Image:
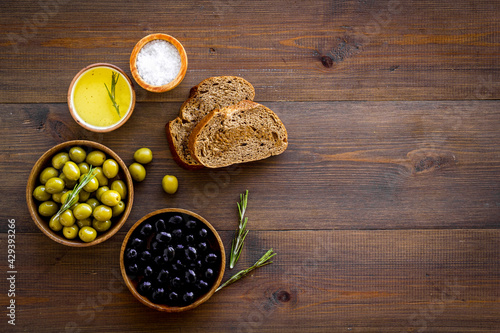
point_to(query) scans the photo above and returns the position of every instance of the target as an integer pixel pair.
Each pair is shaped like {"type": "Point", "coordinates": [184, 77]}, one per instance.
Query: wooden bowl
{"type": "Point", "coordinates": [215, 243]}
{"type": "Point", "coordinates": [172, 84]}
{"type": "Point", "coordinates": [43, 222]}
{"type": "Point", "coordinates": [76, 116]}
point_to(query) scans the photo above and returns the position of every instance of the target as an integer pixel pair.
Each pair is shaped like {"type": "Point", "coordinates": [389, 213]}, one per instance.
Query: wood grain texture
{"type": "Point", "coordinates": [384, 210]}
{"type": "Point", "coordinates": [349, 165]}
{"type": "Point", "coordinates": [341, 280]}
{"type": "Point", "coordinates": [315, 51]}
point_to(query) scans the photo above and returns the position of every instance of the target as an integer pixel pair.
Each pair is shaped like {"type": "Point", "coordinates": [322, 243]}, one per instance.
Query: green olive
{"type": "Point", "coordinates": [170, 184]}
{"type": "Point", "coordinates": [101, 226]}
{"type": "Point", "coordinates": [54, 185]}
{"type": "Point", "coordinates": [59, 160]}
{"type": "Point", "coordinates": [84, 223]}
{"type": "Point", "coordinates": [110, 198]}
{"type": "Point", "coordinates": [87, 234]}
{"type": "Point", "coordinates": [54, 223]}
{"type": "Point", "coordinates": [95, 158]}
{"type": "Point", "coordinates": [70, 232]}
{"type": "Point", "coordinates": [48, 208]}
{"type": "Point", "coordinates": [120, 187]}
{"type": "Point", "coordinates": [82, 211]}
{"type": "Point", "coordinates": [137, 172]}
{"type": "Point", "coordinates": [48, 173]}
{"type": "Point", "coordinates": [118, 209]}
{"type": "Point", "coordinates": [99, 175]}
{"type": "Point", "coordinates": [93, 202]}
{"type": "Point", "coordinates": [67, 218]}
{"type": "Point", "coordinates": [143, 155]}
{"type": "Point", "coordinates": [84, 195]}
{"type": "Point", "coordinates": [77, 154]}
{"type": "Point", "coordinates": [102, 213]}
{"type": "Point", "coordinates": [41, 194]}
{"type": "Point", "coordinates": [110, 168]}
{"type": "Point", "coordinates": [65, 196]}
{"type": "Point", "coordinates": [84, 168]}
{"type": "Point", "coordinates": [71, 170]}
{"type": "Point", "coordinates": [100, 191]}
{"type": "Point", "coordinates": [92, 185]}
{"type": "Point", "coordinates": [57, 196]}
{"type": "Point", "coordinates": [69, 183]}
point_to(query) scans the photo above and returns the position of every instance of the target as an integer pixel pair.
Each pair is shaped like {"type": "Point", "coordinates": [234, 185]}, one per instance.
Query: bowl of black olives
{"type": "Point", "coordinates": [79, 193]}
{"type": "Point", "coordinates": [172, 260]}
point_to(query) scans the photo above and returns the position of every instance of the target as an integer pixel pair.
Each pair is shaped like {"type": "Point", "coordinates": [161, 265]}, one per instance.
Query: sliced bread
{"type": "Point", "coordinates": [212, 93]}
{"type": "Point", "coordinates": [239, 133]}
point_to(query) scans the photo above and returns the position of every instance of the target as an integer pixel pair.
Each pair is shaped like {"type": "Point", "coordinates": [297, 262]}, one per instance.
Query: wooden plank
{"type": "Point", "coordinates": [349, 165]}
{"type": "Point", "coordinates": [338, 280]}
{"type": "Point", "coordinates": [320, 50]}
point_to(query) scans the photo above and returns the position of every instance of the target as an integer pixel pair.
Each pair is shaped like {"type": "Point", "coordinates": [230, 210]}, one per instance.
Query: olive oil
{"type": "Point", "coordinates": [92, 102]}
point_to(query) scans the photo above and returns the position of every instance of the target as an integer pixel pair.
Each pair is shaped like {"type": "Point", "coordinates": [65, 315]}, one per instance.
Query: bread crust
{"type": "Point", "coordinates": [193, 95]}
{"type": "Point", "coordinates": [175, 155]}
{"type": "Point", "coordinates": [227, 111]}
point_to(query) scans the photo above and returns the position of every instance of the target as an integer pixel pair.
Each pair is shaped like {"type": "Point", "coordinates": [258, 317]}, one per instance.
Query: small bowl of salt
{"type": "Point", "coordinates": [158, 63]}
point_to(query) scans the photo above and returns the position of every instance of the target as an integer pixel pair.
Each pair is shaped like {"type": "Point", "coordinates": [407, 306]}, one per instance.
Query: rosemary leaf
{"type": "Point", "coordinates": [241, 232]}
{"type": "Point", "coordinates": [265, 260]}
{"type": "Point", "coordinates": [111, 94]}
{"type": "Point", "coordinates": [72, 197]}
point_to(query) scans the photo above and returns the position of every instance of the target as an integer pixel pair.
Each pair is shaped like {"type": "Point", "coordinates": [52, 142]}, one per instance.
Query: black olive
{"type": "Point", "coordinates": [169, 254]}
{"type": "Point", "coordinates": [163, 237]}
{"type": "Point", "coordinates": [163, 276]}
{"type": "Point", "coordinates": [211, 258]}
{"type": "Point", "coordinates": [146, 230]}
{"type": "Point", "coordinates": [148, 271]}
{"type": "Point", "coordinates": [173, 296]}
{"type": "Point", "coordinates": [191, 253]}
{"type": "Point", "coordinates": [176, 219]}
{"type": "Point", "coordinates": [209, 273]}
{"type": "Point", "coordinates": [202, 247]}
{"type": "Point", "coordinates": [176, 282]}
{"type": "Point", "coordinates": [145, 256]}
{"type": "Point", "coordinates": [158, 294]}
{"type": "Point", "coordinates": [178, 266]}
{"type": "Point", "coordinates": [190, 276]}
{"type": "Point", "coordinates": [131, 254]}
{"type": "Point", "coordinates": [179, 249]}
{"type": "Point", "coordinates": [202, 285]}
{"type": "Point", "coordinates": [191, 224]}
{"type": "Point", "coordinates": [144, 287]}
{"type": "Point", "coordinates": [133, 268]}
{"type": "Point", "coordinates": [136, 243]}
{"type": "Point", "coordinates": [203, 233]}
{"type": "Point", "coordinates": [177, 233]}
{"type": "Point", "coordinates": [158, 260]}
{"type": "Point", "coordinates": [160, 225]}
{"type": "Point", "coordinates": [190, 239]}
{"type": "Point", "coordinates": [156, 246]}
{"type": "Point", "coordinates": [188, 297]}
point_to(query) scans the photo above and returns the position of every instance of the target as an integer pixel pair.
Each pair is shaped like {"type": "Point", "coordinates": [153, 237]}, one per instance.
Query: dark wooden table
{"type": "Point", "coordinates": [384, 210]}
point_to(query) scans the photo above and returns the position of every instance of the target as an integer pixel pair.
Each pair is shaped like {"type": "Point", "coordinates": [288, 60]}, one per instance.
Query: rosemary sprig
{"type": "Point", "coordinates": [72, 197]}
{"type": "Point", "coordinates": [265, 260]}
{"type": "Point", "coordinates": [241, 232]}
{"type": "Point", "coordinates": [114, 80]}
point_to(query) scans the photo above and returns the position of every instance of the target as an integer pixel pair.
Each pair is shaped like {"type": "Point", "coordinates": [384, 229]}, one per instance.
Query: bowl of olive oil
{"type": "Point", "coordinates": [101, 97]}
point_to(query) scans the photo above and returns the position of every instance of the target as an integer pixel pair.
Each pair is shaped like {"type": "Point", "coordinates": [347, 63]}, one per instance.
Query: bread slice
{"type": "Point", "coordinates": [212, 93]}
{"type": "Point", "coordinates": [239, 133]}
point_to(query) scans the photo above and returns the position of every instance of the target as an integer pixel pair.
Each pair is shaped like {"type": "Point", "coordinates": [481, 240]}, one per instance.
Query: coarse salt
{"type": "Point", "coordinates": [158, 62]}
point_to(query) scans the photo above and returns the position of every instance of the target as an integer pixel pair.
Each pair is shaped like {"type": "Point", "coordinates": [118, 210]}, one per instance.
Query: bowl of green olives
{"type": "Point", "coordinates": [172, 260]}
{"type": "Point", "coordinates": [79, 193]}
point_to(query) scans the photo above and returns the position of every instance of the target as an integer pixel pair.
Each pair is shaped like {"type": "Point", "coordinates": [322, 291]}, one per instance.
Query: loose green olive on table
{"type": "Point", "coordinates": [170, 184]}
{"type": "Point", "coordinates": [96, 205]}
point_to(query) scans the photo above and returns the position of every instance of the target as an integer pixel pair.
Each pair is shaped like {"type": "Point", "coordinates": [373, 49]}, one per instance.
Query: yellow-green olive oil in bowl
{"type": "Point", "coordinates": [101, 97]}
